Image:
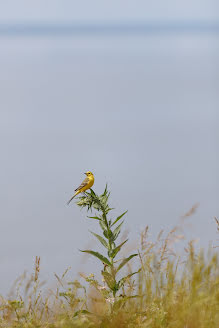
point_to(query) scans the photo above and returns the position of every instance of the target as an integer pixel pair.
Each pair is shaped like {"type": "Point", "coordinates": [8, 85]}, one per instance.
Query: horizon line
{"type": "Point", "coordinates": [56, 29]}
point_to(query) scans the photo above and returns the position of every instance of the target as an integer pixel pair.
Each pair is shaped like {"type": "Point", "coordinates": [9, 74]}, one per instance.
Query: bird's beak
{"type": "Point", "coordinates": [85, 173]}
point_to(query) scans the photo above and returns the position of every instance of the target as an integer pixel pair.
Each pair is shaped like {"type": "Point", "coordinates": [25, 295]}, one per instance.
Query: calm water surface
{"type": "Point", "coordinates": [141, 112]}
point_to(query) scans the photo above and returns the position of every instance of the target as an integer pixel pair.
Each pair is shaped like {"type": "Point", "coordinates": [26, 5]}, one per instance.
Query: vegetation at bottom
{"type": "Point", "coordinates": [153, 287]}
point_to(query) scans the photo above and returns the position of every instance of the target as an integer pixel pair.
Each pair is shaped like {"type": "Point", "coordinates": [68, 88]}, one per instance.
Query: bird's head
{"type": "Point", "coordinates": [89, 174]}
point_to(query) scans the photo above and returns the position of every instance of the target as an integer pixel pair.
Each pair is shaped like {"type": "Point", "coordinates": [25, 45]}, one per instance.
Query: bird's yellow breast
{"type": "Point", "coordinates": [89, 184]}
{"type": "Point", "coordinates": [91, 181]}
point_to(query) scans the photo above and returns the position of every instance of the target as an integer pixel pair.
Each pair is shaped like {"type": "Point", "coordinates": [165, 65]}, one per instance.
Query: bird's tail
{"type": "Point", "coordinates": [71, 198]}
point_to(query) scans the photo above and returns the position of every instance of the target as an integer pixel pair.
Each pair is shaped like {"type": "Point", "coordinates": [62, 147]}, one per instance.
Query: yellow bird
{"type": "Point", "coordinates": [86, 184]}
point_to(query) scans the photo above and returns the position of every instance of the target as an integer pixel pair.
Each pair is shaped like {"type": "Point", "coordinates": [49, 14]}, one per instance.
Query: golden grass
{"type": "Point", "coordinates": [169, 291]}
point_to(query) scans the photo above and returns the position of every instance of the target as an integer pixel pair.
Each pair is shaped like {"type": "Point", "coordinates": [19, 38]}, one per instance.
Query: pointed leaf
{"type": "Point", "coordinates": [105, 190]}
{"type": "Point", "coordinates": [92, 192]}
{"type": "Point", "coordinates": [117, 249]}
{"type": "Point", "coordinates": [123, 280]}
{"type": "Point", "coordinates": [109, 279]}
{"type": "Point", "coordinates": [101, 239]}
{"type": "Point", "coordinates": [102, 225]}
{"type": "Point", "coordinates": [94, 217]}
{"type": "Point", "coordinates": [125, 261]}
{"type": "Point", "coordinates": [99, 256]}
{"type": "Point", "coordinates": [119, 217]}
{"type": "Point", "coordinates": [117, 231]}
{"type": "Point", "coordinates": [108, 234]}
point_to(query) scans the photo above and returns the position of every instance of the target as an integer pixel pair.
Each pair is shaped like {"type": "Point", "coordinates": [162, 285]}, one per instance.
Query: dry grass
{"type": "Point", "coordinates": [170, 291]}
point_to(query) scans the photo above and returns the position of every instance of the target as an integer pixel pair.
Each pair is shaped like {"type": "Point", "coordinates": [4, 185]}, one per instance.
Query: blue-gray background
{"type": "Point", "coordinates": [138, 109]}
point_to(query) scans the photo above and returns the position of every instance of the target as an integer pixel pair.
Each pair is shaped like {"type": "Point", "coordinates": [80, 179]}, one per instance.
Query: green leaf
{"type": "Point", "coordinates": [102, 225]}
{"type": "Point", "coordinates": [92, 192]}
{"type": "Point", "coordinates": [117, 231]}
{"type": "Point", "coordinates": [125, 261]}
{"type": "Point", "coordinates": [108, 234]}
{"type": "Point", "coordinates": [111, 283]}
{"type": "Point", "coordinates": [101, 239]}
{"type": "Point", "coordinates": [119, 217]}
{"type": "Point", "coordinates": [113, 245]}
{"type": "Point", "coordinates": [109, 209]}
{"type": "Point", "coordinates": [117, 249]}
{"type": "Point", "coordinates": [105, 190]}
{"type": "Point", "coordinates": [123, 280]}
{"type": "Point", "coordinates": [99, 256]}
{"type": "Point", "coordinates": [94, 217]}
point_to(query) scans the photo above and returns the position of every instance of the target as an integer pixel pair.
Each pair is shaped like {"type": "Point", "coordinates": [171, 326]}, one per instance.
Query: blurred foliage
{"type": "Point", "coordinates": [159, 289]}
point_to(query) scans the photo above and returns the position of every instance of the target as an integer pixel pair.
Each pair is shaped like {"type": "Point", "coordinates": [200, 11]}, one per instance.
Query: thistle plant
{"type": "Point", "coordinates": [110, 233]}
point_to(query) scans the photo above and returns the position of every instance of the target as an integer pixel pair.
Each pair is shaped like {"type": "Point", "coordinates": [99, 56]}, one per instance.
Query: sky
{"type": "Point", "coordinates": [105, 11]}
{"type": "Point", "coordinates": [140, 111]}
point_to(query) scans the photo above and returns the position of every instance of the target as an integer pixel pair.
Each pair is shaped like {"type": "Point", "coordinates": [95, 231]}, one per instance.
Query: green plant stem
{"type": "Point", "coordinates": [109, 272]}
{"type": "Point", "coordinates": [109, 232]}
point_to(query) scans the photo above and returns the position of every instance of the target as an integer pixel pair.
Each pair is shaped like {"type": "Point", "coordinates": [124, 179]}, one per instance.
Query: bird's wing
{"type": "Point", "coordinates": [83, 184]}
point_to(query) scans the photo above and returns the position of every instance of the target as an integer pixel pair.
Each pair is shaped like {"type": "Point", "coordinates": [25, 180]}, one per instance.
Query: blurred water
{"type": "Point", "coordinates": [140, 111]}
